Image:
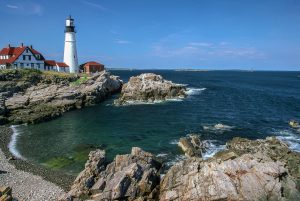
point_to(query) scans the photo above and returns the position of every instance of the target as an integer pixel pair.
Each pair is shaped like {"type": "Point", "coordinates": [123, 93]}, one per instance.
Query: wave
{"type": "Point", "coordinates": [212, 149]}
{"type": "Point", "coordinates": [177, 159]}
{"type": "Point", "coordinates": [12, 146]}
{"type": "Point", "coordinates": [162, 155]}
{"type": "Point", "coordinates": [194, 91]}
{"type": "Point", "coordinates": [290, 138]}
{"type": "Point", "coordinates": [174, 142]}
{"type": "Point", "coordinates": [217, 127]}
{"type": "Point", "coordinates": [128, 103]}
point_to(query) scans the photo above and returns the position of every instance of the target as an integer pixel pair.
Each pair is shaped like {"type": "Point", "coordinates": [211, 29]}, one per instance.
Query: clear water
{"type": "Point", "coordinates": [254, 104]}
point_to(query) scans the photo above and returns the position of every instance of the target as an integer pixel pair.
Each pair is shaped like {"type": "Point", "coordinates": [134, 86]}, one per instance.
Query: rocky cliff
{"type": "Point", "coordinates": [149, 88]}
{"type": "Point", "coordinates": [247, 170]}
{"type": "Point", "coordinates": [28, 96]}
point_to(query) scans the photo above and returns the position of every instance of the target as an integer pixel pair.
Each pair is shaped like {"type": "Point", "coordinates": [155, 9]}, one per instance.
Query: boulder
{"type": "Point", "coordinates": [247, 177]}
{"type": "Point", "coordinates": [86, 179]}
{"type": "Point", "coordinates": [270, 147]}
{"type": "Point", "coordinates": [192, 145]}
{"type": "Point", "coordinates": [128, 177]}
{"type": "Point", "coordinates": [5, 193]}
{"type": "Point", "coordinates": [149, 87]}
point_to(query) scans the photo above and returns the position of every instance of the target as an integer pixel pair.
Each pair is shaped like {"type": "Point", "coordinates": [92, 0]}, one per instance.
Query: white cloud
{"type": "Point", "coordinates": [114, 32]}
{"type": "Point", "coordinates": [201, 44]}
{"type": "Point", "coordinates": [12, 6]}
{"type": "Point", "coordinates": [205, 51]}
{"type": "Point", "coordinates": [25, 8]}
{"type": "Point", "coordinates": [122, 42]}
{"type": "Point", "coordinates": [95, 5]}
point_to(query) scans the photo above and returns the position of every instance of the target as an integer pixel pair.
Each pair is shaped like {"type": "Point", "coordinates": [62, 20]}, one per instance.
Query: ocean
{"type": "Point", "coordinates": [246, 104]}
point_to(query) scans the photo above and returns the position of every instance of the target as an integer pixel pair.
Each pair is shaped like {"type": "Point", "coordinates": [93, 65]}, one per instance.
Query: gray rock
{"type": "Point", "coordinates": [149, 87]}
{"type": "Point", "coordinates": [86, 179]}
{"type": "Point", "coordinates": [128, 177]}
{"type": "Point", "coordinates": [192, 145]}
{"type": "Point", "coordinates": [50, 96]}
{"type": "Point", "coordinates": [244, 178]}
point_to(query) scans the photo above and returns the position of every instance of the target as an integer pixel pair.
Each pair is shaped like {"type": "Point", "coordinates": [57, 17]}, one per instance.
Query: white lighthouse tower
{"type": "Point", "coordinates": [70, 52]}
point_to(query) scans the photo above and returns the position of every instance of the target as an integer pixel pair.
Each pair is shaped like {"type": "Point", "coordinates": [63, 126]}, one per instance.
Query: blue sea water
{"type": "Point", "coordinates": [251, 104]}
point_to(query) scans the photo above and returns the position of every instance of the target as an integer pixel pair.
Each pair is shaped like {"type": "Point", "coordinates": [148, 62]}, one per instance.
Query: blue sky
{"type": "Point", "coordinates": [209, 34]}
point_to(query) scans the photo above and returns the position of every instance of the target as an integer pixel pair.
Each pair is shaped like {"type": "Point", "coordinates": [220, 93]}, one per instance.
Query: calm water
{"type": "Point", "coordinates": [254, 104]}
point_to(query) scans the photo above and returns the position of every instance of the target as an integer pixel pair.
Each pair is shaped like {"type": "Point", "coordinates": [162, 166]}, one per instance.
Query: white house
{"type": "Point", "coordinates": [27, 57]}
{"type": "Point", "coordinates": [21, 57]}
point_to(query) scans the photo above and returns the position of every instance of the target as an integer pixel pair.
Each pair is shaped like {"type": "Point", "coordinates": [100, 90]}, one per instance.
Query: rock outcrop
{"type": "Point", "coordinates": [5, 193]}
{"type": "Point", "coordinates": [128, 177]}
{"type": "Point", "coordinates": [192, 145]}
{"type": "Point", "coordinates": [149, 87]}
{"type": "Point", "coordinates": [272, 148]}
{"type": "Point", "coordinates": [247, 177]}
{"type": "Point", "coordinates": [37, 96]}
{"type": "Point", "coordinates": [247, 170]}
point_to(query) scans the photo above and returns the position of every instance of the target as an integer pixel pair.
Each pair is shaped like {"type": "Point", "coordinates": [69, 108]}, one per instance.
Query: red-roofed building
{"type": "Point", "coordinates": [27, 57]}
{"type": "Point", "coordinates": [21, 57]}
{"type": "Point", "coordinates": [56, 66]}
{"type": "Point", "coordinates": [92, 67]}
{"type": "Point", "coordinates": [62, 67]}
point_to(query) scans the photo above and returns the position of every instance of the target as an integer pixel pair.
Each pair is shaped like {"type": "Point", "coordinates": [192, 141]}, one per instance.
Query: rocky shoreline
{"type": "Point", "coordinates": [263, 169]}
{"type": "Point", "coordinates": [59, 178]}
{"type": "Point", "coordinates": [28, 96]}
{"type": "Point", "coordinates": [247, 170]}
{"type": "Point", "coordinates": [29, 181]}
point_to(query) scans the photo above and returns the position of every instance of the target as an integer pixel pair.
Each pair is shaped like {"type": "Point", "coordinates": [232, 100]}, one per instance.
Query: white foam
{"type": "Point", "coordinates": [212, 149]}
{"type": "Point", "coordinates": [177, 159]}
{"type": "Point", "coordinates": [194, 91]}
{"type": "Point", "coordinates": [290, 137]}
{"type": "Point", "coordinates": [161, 155]}
{"type": "Point", "coordinates": [218, 127]}
{"type": "Point", "coordinates": [174, 142]}
{"type": "Point", "coordinates": [12, 146]}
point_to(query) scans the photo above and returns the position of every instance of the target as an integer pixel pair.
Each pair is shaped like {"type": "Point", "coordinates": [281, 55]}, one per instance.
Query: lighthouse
{"type": "Point", "coordinates": [70, 51]}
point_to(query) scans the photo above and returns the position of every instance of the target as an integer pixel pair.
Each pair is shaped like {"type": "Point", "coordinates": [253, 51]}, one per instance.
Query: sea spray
{"type": "Point", "coordinates": [290, 138]}
{"type": "Point", "coordinates": [12, 146]}
{"type": "Point", "coordinates": [194, 91]}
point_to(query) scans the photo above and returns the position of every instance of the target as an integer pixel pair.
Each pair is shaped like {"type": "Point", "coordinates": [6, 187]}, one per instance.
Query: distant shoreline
{"type": "Point", "coordinates": [197, 70]}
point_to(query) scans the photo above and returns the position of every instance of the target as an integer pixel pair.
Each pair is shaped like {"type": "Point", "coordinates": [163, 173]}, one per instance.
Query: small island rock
{"type": "Point", "coordinates": [148, 88]}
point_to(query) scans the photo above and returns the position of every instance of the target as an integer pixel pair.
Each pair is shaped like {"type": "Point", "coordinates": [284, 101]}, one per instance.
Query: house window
{"type": "Point", "coordinates": [22, 64]}
{"type": "Point", "coordinates": [38, 66]}
{"type": "Point", "coordinates": [26, 50]}
{"type": "Point", "coordinates": [29, 57]}
{"type": "Point", "coordinates": [24, 57]}
{"type": "Point", "coordinates": [32, 65]}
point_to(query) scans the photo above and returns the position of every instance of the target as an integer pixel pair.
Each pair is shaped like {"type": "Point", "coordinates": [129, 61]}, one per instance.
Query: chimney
{"type": "Point", "coordinates": [31, 47]}
{"type": "Point", "coordinates": [22, 45]}
{"type": "Point", "coordinates": [8, 45]}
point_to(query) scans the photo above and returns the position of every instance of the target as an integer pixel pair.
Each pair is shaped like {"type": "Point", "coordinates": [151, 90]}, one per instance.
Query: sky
{"type": "Point", "coordinates": [143, 34]}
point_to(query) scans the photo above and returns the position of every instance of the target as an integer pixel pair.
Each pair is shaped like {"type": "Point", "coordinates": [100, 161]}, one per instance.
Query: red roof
{"type": "Point", "coordinates": [14, 52]}
{"type": "Point", "coordinates": [62, 64]}
{"type": "Point", "coordinates": [93, 63]}
{"type": "Point", "coordinates": [50, 62]}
